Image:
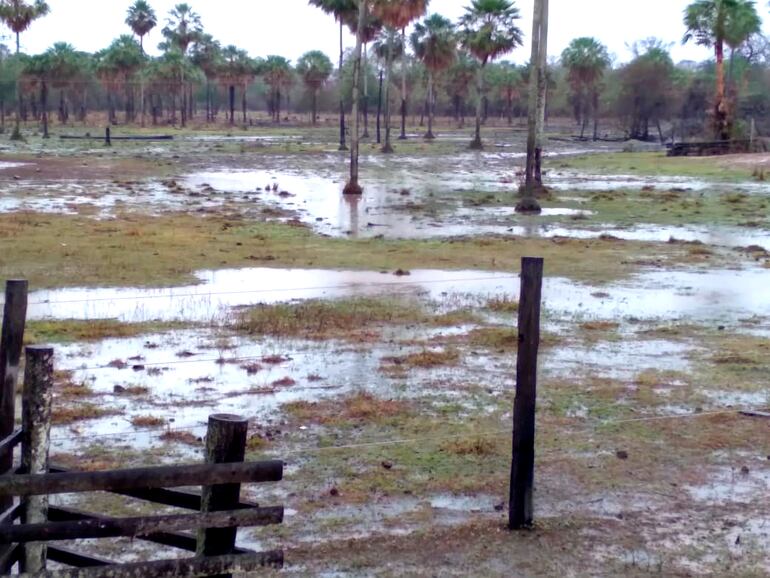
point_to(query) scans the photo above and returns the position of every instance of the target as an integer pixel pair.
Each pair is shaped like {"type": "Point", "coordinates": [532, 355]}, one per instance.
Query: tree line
{"type": "Point", "coordinates": [451, 69]}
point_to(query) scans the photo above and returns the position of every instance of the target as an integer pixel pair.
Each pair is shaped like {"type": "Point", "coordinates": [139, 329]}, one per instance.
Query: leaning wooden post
{"type": "Point", "coordinates": [36, 438]}
{"type": "Point", "coordinates": [523, 467]}
{"type": "Point", "coordinates": [225, 443]}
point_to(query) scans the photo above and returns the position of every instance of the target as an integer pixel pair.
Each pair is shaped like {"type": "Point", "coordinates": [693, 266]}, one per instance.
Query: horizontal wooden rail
{"type": "Point", "coordinates": [71, 558]}
{"type": "Point", "coordinates": [174, 568]}
{"type": "Point", "coordinates": [132, 527]}
{"type": "Point", "coordinates": [166, 497]}
{"type": "Point", "coordinates": [132, 479]}
{"type": "Point", "coordinates": [175, 540]}
{"type": "Point", "coordinates": [10, 442]}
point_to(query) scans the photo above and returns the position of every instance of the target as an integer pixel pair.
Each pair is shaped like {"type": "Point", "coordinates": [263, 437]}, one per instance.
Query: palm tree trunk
{"type": "Point", "coordinates": [721, 125]}
{"type": "Point", "coordinates": [353, 188]}
{"type": "Point", "coordinates": [387, 148]}
{"type": "Point", "coordinates": [44, 107]}
{"type": "Point", "coordinates": [18, 45]}
{"type": "Point", "coordinates": [542, 88]}
{"type": "Point", "coordinates": [429, 135]}
{"type": "Point", "coordinates": [402, 136]}
{"type": "Point", "coordinates": [244, 103]}
{"type": "Point", "coordinates": [366, 92]}
{"type": "Point", "coordinates": [315, 106]}
{"type": "Point", "coordinates": [343, 146]}
{"type": "Point", "coordinates": [476, 143]}
{"type": "Point", "coordinates": [379, 110]}
{"type": "Point", "coordinates": [528, 204]}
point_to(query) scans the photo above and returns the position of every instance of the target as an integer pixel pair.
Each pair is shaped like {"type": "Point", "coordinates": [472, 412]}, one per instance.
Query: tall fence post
{"type": "Point", "coordinates": [225, 443]}
{"type": "Point", "coordinates": [36, 438]}
{"type": "Point", "coordinates": [14, 320]}
{"type": "Point", "coordinates": [107, 137]}
{"type": "Point", "coordinates": [520, 510]}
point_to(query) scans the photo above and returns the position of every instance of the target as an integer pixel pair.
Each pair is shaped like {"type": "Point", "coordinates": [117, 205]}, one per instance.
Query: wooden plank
{"type": "Point", "coordinates": [174, 568]}
{"type": "Point", "coordinates": [139, 526]}
{"type": "Point", "coordinates": [11, 514]}
{"type": "Point", "coordinates": [71, 558]}
{"type": "Point", "coordinates": [125, 138]}
{"type": "Point", "coordinates": [164, 496]}
{"type": "Point", "coordinates": [520, 513]}
{"type": "Point", "coordinates": [153, 477]}
{"type": "Point", "coordinates": [762, 414]}
{"type": "Point", "coordinates": [10, 442]}
{"type": "Point", "coordinates": [225, 443]}
{"type": "Point", "coordinates": [185, 542]}
{"type": "Point", "coordinates": [36, 425]}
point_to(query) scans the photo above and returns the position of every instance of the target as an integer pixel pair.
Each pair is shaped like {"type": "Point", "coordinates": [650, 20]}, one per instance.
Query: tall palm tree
{"type": "Point", "coordinates": [399, 14]}
{"type": "Point", "coordinates": [714, 23]}
{"type": "Point", "coordinates": [18, 15]}
{"type": "Point", "coordinates": [124, 58]}
{"type": "Point", "coordinates": [353, 187]}
{"type": "Point", "coordinates": [64, 66]}
{"type": "Point", "coordinates": [237, 68]}
{"type": "Point", "coordinates": [141, 19]}
{"type": "Point", "coordinates": [388, 47]}
{"type": "Point", "coordinates": [371, 28]}
{"type": "Point", "coordinates": [183, 28]}
{"type": "Point", "coordinates": [435, 43]}
{"type": "Point", "coordinates": [460, 77]}
{"type": "Point", "coordinates": [586, 60]}
{"type": "Point", "coordinates": [276, 72]}
{"type": "Point", "coordinates": [488, 31]}
{"type": "Point", "coordinates": [207, 55]}
{"type": "Point", "coordinates": [315, 69]}
{"type": "Point", "coordinates": [533, 182]}
{"type": "Point", "coordinates": [342, 10]}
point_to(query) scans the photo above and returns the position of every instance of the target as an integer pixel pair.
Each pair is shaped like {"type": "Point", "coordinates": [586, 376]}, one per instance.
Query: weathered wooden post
{"type": "Point", "coordinates": [14, 320]}
{"type": "Point", "coordinates": [225, 443]}
{"type": "Point", "coordinates": [520, 511]}
{"type": "Point", "coordinates": [36, 438]}
{"type": "Point", "coordinates": [107, 137]}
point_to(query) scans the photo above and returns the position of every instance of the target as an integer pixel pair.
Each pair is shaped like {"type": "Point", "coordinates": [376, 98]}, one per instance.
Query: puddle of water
{"type": "Point", "coordinates": [7, 165]}
{"type": "Point", "coordinates": [729, 485]}
{"type": "Point", "coordinates": [712, 296]}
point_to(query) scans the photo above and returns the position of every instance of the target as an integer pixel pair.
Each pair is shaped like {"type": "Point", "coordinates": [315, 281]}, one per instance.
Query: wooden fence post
{"type": "Point", "coordinates": [520, 511]}
{"type": "Point", "coordinates": [107, 137]}
{"type": "Point", "coordinates": [14, 320]}
{"type": "Point", "coordinates": [36, 427]}
{"type": "Point", "coordinates": [225, 443]}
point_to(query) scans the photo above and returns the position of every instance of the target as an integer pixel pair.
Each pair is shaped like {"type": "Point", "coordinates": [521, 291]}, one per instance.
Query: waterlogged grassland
{"type": "Point", "coordinates": [139, 250]}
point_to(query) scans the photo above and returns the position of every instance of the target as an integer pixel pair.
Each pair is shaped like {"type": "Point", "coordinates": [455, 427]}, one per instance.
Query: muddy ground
{"type": "Point", "coordinates": [372, 342]}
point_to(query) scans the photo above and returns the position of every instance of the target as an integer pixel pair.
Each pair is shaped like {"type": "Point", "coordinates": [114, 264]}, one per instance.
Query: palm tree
{"type": "Point", "coordinates": [37, 72]}
{"type": "Point", "coordinates": [399, 14]}
{"type": "Point", "coordinates": [237, 68]}
{"type": "Point", "coordinates": [141, 19]}
{"type": "Point", "coordinates": [434, 42]}
{"type": "Point", "coordinates": [716, 23]}
{"type": "Point", "coordinates": [183, 28]}
{"type": "Point", "coordinates": [353, 187]}
{"type": "Point", "coordinates": [538, 84]}
{"type": "Point", "coordinates": [585, 59]}
{"type": "Point", "coordinates": [342, 10]}
{"type": "Point", "coordinates": [18, 15]}
{"type": "Point", "coordinates": [64, 66]}
{"type": "Point", "coordinates": [207, 55]}
{"type": "Point", "coordinates": [371, 28]}
{"type": "Point", "coordinates": [121, 61]}
{"type": "Point", "coordinates": [315, 68]}
{"type": "Point", "coordinates": [488, 31]}
{"type": "Point", "coordinates": [388, 47]}
{"type": "Point", "coordinates": [460, 77]}
{"type": "Point", "coordinates": [276, 72]}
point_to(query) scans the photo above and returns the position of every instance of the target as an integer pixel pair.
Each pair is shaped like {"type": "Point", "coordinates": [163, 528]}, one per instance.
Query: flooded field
{"type": "Point", "coordinates": [372, 341]}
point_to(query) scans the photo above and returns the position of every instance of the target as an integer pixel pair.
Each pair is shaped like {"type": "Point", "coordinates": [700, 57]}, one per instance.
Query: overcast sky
{"type": "Point", "coordinates": [292, 27]}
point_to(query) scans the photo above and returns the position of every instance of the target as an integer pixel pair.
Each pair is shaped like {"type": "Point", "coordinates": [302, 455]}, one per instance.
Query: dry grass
{"type": "Point", "coordinates": [425, 359]}
{"type": "Point", "coordinates": [181, 437]}
{"type": "Point", "coordinates": [318, 319]}
{"type": "Point", "coordinates": [474, 446]}
{"type": "Point", "coordinates": [62, 415]}
{"type": "Point", "coordinates": [360, 407]}
{"type": "Point", "coordinates": [147, 421]}
{"type": "Point", "coordinates": [502, 305]}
